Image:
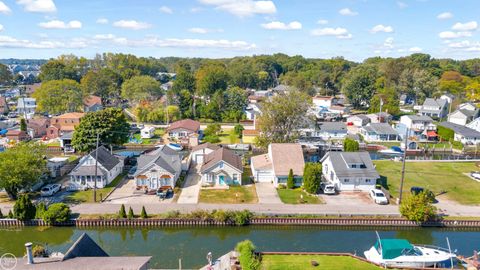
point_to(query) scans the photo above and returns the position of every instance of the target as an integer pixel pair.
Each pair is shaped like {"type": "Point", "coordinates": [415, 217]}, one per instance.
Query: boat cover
{"type": "Point", "coordinates": [392, 248]}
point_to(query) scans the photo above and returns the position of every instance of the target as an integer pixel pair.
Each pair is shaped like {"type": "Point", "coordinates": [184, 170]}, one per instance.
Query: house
{"type": "Point", "coordinates": [436, 108]}
{"type": "Point", "coordinates": [448, 97]}
{"type": "Point", "coordinates": [147, 132]}
{"type": "Point", "coordinates": [66, 142]}
{"type": "Point", "coordinates": [463, 134]}
{"type": "Point", "coordinates": [475, 124]}
{"type": "Point", "coordinates": [379, 132]}
{"type": "Point", "coordinates": [158, 169]}
{"type": "Point", "coordinates": [55, 164]}
{"type": "Point", "coordinates": [323, 101]}
{"type": "Point", "coordinates": [465, 113]}
{"type": "Point", "coordinates": [3, 105]}
{"type": "Point", "coordinates": [380, 117]}
{"type": "Point", "coordinates": [406, 100]}
{"type": "Point", "coordinates": [63, 123]}
{"type": "Point", "coordinates": [183, 128]}
{"type": "Point", "coordinates": [253, 110]}
{"type": "Point", "coordinates": [221, 167]}
{"type": "Point", "coordinates": [31, 88]}
{"type": "Point", "coordinates": [109, 167]}
{"type": "Point", "coordinates": [280, 89]}
{"type": "Point", "coordinates": [200, 151]}
{"type": "Point", "coordinates": [327, 131]}
{"type": "Point", "coordinates": [37, 127]}
{"type": "Point", "coordinates": [26, 106]}
{"type": "Point", "coordinates": [358, 120]}
{"type": "Point", "coordinates": [420, 127]}
{"type": "Point", "coordinates": [349, 171]}
{"type": "Point", "coordinates": [92, 104]}
{"type": "Point", "coordinates": [275, 166]}
{"type": "Point", "coordinates": [17, 135]}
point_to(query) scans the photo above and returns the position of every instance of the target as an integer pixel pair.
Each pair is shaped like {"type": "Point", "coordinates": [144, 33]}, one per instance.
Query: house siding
{"type": "Point", "coordinates": [212, 176]}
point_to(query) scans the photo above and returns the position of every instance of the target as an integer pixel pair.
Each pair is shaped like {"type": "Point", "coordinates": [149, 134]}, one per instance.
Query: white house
{"type": "Point", "coordinates": [109, 167]}
{"type": "Point", "coordinates": [437, 108]}
{"type": "Point", "coordinates": [275, 166]}
{"type": "Point", "coordinates": [323, 101]}
{"type": "Point", "coordinates": [358, 120]}
{"type": "Point", "coordinates": [380, 117]}
{"type": "Point", "coordinates": [252, 110]}
{"type": "Point", "coordinates": [465, 113]}
{"type": "Point", "coordinates": [379, 132]}
{"type": "Point", "coordinates": [327, 131]}
{"type": "Point", "coordinates": [221, 167]}
{"type": "Point", "coordinates": [147, 132]}
{"type": "Point", "coordinates": [349, 170]}
{"type": "Point", "coordinates": [463, 134]}
{"type": "Point", "coordinates": [420, 126]}
{"type": "Point", "coordinates": [26, 106]}
{"type": "Point", "coordinates": [199, 152]}
{"type": "Point", "coordinates": [475, 124]}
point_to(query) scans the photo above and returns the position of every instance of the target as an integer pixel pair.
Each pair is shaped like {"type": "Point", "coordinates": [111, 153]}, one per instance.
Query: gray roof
{"type": "Point", "coordinates": [87, 170]}
{"type": "Point", "coordinates": [467, 113]}
{"type": "Point", "coordinates": [107, 160]}
{"type": "Point", "coordinates": [341, 160]}
{"type": "Point", "coordinates": [84, 247]}
{"type": "Point", "coordinates": [86, 263]}
{"type": "Point", "coordinates": [164, 157]}
{"type": "Point", "coordinates": [67, 136]}
{"type": "Point", "coordinates": [360, 116]}
{"type": "Point", "coordinates": [462, 130]}
{"type": "Point", "coordinates": [415, 117]}
{"type": "Point", "coordinates": [332, 127]}
{"type": "Point", "coordinates": [435, 102]}
{"type": "Point", "coordinates": [380, 128]}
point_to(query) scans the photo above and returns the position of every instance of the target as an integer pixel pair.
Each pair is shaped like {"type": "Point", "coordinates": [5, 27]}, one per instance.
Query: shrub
{"type": "Point", "coordinates": [312, 175]}
{"type": "Point", "coordinates": [200, 214]}
{"type": "Point", "coordinates": [282, 186]}
{"type": "Point", "coordinates": [242, 217]}
{"type": "Point", "coordinates": [247, 258]}
{"type": "Point", "coordinates": [57, 212]}
{"type": "Point", "coordinates": [143, 214]}
{"type": "Point", "coordinates": [122, 213]}
{"type": "Point", "coordinates": [39, 251]}
{"type": "Point", "coordinates": [212, 139]}
{"type": "Point", "coordinates": [172, 214]}
{"type": "Point", "coordinates": [1, 214]}
{"type": "Point", "coordinates": [212, 129]}
{"type": "Point", "coordinates": [418, 208]}
{"type": "Point", "coordinates": [350, 145]}
{"type": "Point", "coordinates": [10, 214]}
{"type": "Point", "coordinates": [444, 133]}
{"type": "Point", "coordinates": [131, 215]}
{"type": "Point", "coordinates": [238, 129]}
{"type": "Point", "coordinates": [41, 208]}
{"type": "Point", "coordinates": [24, 209]}
{"type": "Point", "coordinates": [223, 216]}
{"type": "Point", "coordinates": [290, 180]}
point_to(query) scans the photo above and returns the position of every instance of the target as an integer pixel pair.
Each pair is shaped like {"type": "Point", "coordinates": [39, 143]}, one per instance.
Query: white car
{"type": "Point", "coordinates": [49, 190]}
{"type": "Point", "coordinates": [378, 196]}
{"type": "Point", "coordinates": [475, 175]}
{"type": "Point", "coordinates": [328, 188]}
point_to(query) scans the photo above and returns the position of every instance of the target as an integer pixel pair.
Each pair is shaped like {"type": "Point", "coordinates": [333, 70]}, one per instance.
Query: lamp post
{"type": "Point", "coordinates": [403, 167]}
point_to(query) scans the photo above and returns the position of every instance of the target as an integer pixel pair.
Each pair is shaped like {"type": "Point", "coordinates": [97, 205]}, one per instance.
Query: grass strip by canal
{"type": "Point", "coordinates": [325, 262]}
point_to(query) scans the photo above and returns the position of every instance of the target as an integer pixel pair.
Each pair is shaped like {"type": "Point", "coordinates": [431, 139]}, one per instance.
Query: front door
{"type": "Point", "coordinates": [221, 180]}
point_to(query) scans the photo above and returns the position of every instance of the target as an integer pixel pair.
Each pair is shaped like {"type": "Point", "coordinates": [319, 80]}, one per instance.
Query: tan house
{"type": "Point", "coordinates": [183, 128]}
{"type": "Point", "coordinates": [37, 127]}
{"type": "Point", "coordinates": [63, 123]}
{"type": "Point", "coordinates": [17, 135]}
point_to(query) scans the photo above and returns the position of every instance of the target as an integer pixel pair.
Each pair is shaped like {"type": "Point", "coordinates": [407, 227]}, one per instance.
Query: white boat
{"type": "Point", "coordinates": [400, 253]}
{"type": "Point", "coordinates": [395, 150]}
{"type": "Point", "coordinates": [175, 146]}
{"type": "Point", "coordinates": [239, 146]}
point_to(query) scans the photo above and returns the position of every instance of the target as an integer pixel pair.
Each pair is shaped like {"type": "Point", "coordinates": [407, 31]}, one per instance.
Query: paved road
{"type": "Point", "coordinates": [267, 194]}
{"type": "Point", "coordinates": [191, 187]}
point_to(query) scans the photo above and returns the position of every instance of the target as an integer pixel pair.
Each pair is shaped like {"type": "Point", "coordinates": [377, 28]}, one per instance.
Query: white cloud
{"type": "Point", "coordinates": [468, 26]}
{"type": "Point", "coordinates": [42, 6]}
{"type": "Point", "coordinates": [56, 24]}
{"type": "Point", "coordinates": [388, 43]}
{"type": "Point", "coordinates": [243, 8]}
{"type": "Point", "coordinates": [347, 12]}
{"type": "Point", "coordinates": [322, 22]}
{"type": "Point", "coordinates": [104, 36]}
{"type": "Point", "coordinates": [131, 24]}
{"type": "Point", "coordinates": [4, 8]}
{"type": "Point", "coordinates": [444, 16]}
{"type": "Point", "coordinates": [11, 42]}
{"type": "Point", "coordinates": [198, 30]}
{"type": "Point", "coordinates": [466, 46]}
{"type": "Point", "coordinates": [381, 28]}
{"type": "Point", "coordinates": [165, 9]}
{"type": "Point", "coordinates": [338, 32]}
{"type": "Point", "coordinates": [1, 28]}
{"type": "Point", "coordinates": [401, 4]}
{"type": "Point", "coordinates": [415, 49]}
{"type": "Point", "coordinates": [102, 21]}
{"type": "Point", "coordinates": [452, 35]}
{"type": "Point", "coordinates": [276, 25]}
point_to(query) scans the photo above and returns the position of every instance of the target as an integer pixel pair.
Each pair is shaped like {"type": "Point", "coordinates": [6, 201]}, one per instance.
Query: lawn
{"type": "Point", "coordinates": [138, 137]}
{"type": "Point", "coordinates": [246, 194]}
{"type": "Point", "coordinates": [86, 196]}
{"type": "Point", "coordinates": [437, 176]}
{"type": "Point", "coordinates": [387, 144]}
{"type": "Point", "coordinates": [284, 262]}
{"type": "Point", "coordinates": [228, 137]}
{"type": "Point", "coordinates": [292, 196]}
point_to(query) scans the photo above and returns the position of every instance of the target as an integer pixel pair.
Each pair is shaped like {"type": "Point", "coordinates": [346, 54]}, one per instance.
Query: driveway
{"type": "Point", "coordinates": [191, 187]}
{"type": "Point", "coordinates": [346, 198]}
{"type": "Point", "coordinates": [267, 193]}
{"type": "Point", "coordinates": [125, 194]}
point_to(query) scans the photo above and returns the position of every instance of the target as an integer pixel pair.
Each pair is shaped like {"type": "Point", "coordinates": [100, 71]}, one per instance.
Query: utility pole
{"type": "Point", "coordinates": [381, 104]}
{"type": "Point", "coordinates": [403, 167]}
{"type": "Point", "coordinates": [96, 170]}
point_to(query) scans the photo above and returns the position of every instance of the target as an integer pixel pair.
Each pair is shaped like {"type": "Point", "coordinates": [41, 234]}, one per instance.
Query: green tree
{"type": "Point", "coordinates": [238, 129]}
{"type": "Point", "coordinates": [312, 176]}
{"type": "Point", "coordinates": [350, 145]}
{"type": "Point", "coordinates": [21, 167]}
{"type": "Point", "coordinates": [141, 88]}
{"type": "Point", "coordinates": [130, 215]}
{"type": "Point", "coordinates": [418, 208]}
{"type": "Point", "coordinates": [57, 212]}
{"type": "Point", "coordinates": [104, 83]}
{"type": "Point", "coordinates": [122, 213]}
{"type": "Point", "coordinates": [41, 208]}
{"type": "Point", "coordinates": [247, 258]}
{"type": "Point", "coordinates": [111, 125]}
{"type": "Point", "coordinates": [290, 180]}
{"type": "Point", "coordinates": [59, 96]}
{"type": "Point", "coordinates": [212, 129]}
{"type": "Point", "coordinates": [58, 69]}
{"type": "Point", "coordinates": [5, 74]}
{"type": "Point", "coordinates": [445, 134]}
{"type": "Point", "coordinates": [10, 214]}
{"type": "Point", "coordinates": [23, 125]}
{"type": "Point", "coordinates": [143, 214]}
{"type": "Point", "coordinates": [359, 85]}
{"type": "Point", "coordinates": [23, 208]}
{"type": "Point", "coordinates": [1, 214]}
{"type": "Point", "coordinates": [235, 102]}
{"type": "Point", "coordinates": [211, 77]}
{"type": "Point", "coordinates": [184, 79]}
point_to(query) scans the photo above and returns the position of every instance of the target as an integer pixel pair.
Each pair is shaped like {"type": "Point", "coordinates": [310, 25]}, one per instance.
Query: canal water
{"type": "Point", "coordinates": [167, 245]}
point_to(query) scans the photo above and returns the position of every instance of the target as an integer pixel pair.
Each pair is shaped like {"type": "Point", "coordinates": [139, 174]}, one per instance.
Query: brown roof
{"type": "Point", "coordinates": [205, 145]}
{"type": "Point", "coordinates": [92, 100]}
{"type": "Point", "coordinates": [187, 124]}
{"type": "Point", "coordinates": [261, 162]}
{"type": "Point", "coordinates": [250, 132]}
{"type": "Point", "coordinates": [70, 115]}
{"type": "Point", "coordinates": [222, 154]}
{"type": "Point", "coordinates": [38, 122]}
{"type": "Point", "coordinates": [286, 156]}
{"type": "Point", "coordinates": [16, 132]}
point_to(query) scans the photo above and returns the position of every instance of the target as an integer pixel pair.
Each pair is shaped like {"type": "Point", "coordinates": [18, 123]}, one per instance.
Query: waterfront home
{"type": "Point", "coordinates": [17, 135]}
{"type": "Point", "coordinates": [379, 117]}
{"type": "Point", "coordinates": [37, 127]}
{"type": "Point", "coordinates": [358, 120]}
{"type": "Point", "coordinates": [274, 166]}
{"type": "Point", "coordinates": [199, 152]}
{"type": "Point", "coordinates": [462, 134]}
{"type": "Point", "coordinates": [436, 108]}
{"type": "Point", "coordinates": [26, 106]}
{"type": "Point", "coordinates": [379, 132]}
{"type": "Point", "coordinates": [147, 132]}
{"type": "Point", "coordinates": [55, 164]}
{"type": "Point", "coordinates": [421, 127]}
{"type": "Point", "coordinates": [183, 128]}
{"type": "Point", "coordinates": [66, 142]}
{"type": "Point", "coordinates": [3, 105]}
{"type": "Point", "coordinates": [221, 167]}
{"type": "Point", "coordinates": [349, 170]}
{"type": "Point", "coordinates": [475, 124]}
{"type": "Point", "coordinates": [464, 114]}
{"type": "Point", "coordinates": [92, 104]}
{"type": "Point", "coordinates": [109, 167]}
{"type": "Point", "coordinates": [158, 169]}
{"type": "Point", "coordinates": [327, 131]}
{"type": "Point", "coordinates": [63, 123]}
{"type": "Point", "coordinates": [323, 101]}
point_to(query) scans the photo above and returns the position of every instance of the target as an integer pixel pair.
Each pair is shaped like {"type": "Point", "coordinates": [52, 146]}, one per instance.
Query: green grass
{"type": "Point", "coordinates": [159, 132]}
{"type": "Point", "coordinates": [86, 196]}
{"type": "Point", "coordinates": [246, 194]}
{"type": "Point", "coordinates": [439, 177]}
{"type": "Point", "coordinates": [387, 144]}
{"type": "Point", "coordinates": [287, 262]}
{"type": "Point", "coordinates": [138, 137]}
{"type": "Point", "coordinates": [292, 196]}
{"type": "Point", "coordinates": [54, 143]}
{"type": "Point", "coordinates": [247, 173]}
{"type": "Point", "coordinates": [228, 137]}
{"type": "Point", "coordinates": [439, 145]}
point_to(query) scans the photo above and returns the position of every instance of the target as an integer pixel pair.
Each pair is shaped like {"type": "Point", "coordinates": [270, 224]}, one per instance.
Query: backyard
{"type": "Point", "coordinates": [235, 194]}
{"type": "Point", "coordinates": [228, 136]}
{"type": "Point", "coordinates": [86, 196]}
{"type": "Point", "coordinates": [294, 196]}
{"type": "Point", "coordinates": [439, 177]}
{"type": "Point", "coordinates": [325, 262]}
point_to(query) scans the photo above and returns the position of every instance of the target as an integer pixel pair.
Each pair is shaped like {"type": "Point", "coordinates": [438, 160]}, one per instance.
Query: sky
{"type": "Point", "coordinates": [354, 29]}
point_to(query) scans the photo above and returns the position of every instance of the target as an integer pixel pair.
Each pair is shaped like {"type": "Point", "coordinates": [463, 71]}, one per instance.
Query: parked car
{"type": "Point", "coordinates": [132, 171]}
{"type": "Point", "coordinates": [49, 190]}
{"type": "Point", "coordinates": [12, 115]}
{"type": "Point", "coordinates": [475, 175]}
{"type": "Point", "coordinates": [378, 196]}
{"type": "Point", "coordinates": [418, 190]}
{"type": "Point", "coordinates": [328, 188]}
{"type": "Point", "coordinates": [164, 193]}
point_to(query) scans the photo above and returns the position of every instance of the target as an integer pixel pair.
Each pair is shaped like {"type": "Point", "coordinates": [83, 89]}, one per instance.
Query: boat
{"type": "Point", "coordinates": [402, 254]}
{"type": "Point", "coordinates": [175, 146]}
{"type": "Point", "coordinates": [239, 146]}
{"type": "Point", "coordinates": [394, 150]}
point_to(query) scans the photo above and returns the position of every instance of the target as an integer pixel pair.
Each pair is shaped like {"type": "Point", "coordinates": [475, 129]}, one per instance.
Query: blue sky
{"type": "Point", "coordinates": [355, 29]}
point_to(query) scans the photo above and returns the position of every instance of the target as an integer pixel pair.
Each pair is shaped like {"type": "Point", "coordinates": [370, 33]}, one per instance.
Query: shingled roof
{"type": "Point", "coordinates": [164, 157]}
{"type": "Point", "coordinates": [187, 124]}
{"type": "Point", "coordinates": [84, 247]}
{"type": "Point", "coordinates": [222, 154]}
{"type": "Point", "coordinates": [107, 160]}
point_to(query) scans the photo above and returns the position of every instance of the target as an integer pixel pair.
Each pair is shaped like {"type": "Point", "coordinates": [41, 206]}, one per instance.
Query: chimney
{"type": "Point", "coordinates": [29, 252]}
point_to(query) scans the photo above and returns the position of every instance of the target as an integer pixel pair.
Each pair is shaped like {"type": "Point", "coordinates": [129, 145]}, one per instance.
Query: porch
{"type": "Point", "coordinates": [144, 182]}
{"type": "Point", "coordinates": [221, 178]}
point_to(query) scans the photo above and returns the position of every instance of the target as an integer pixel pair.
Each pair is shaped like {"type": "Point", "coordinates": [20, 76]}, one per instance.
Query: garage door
{"type": "Point", "coordinates": [264, 177]}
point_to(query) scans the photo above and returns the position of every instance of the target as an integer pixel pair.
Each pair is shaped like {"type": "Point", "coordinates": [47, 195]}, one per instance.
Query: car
{"type": "Point", "coordinates": [475, 175]}
{"type": "Point", "coordinates": [378, 196]}
{"type": "Point", "coordinates": [328, 188]}
{"type": "Point", "coordinates": [12, 115]}
{"type": "Point", "coordinates": [50, 190]}
{"type": "Point", "coordinates": [132, 171]}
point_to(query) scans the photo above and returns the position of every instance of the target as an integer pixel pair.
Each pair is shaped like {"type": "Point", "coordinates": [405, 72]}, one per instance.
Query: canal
{"type": "Point", "coordinates": [167, 245]}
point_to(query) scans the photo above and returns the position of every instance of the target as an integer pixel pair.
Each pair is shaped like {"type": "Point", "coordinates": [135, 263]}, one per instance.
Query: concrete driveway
{"type": "Point", "coordinates": [191, 187]}
{"type": "Point", "coordinates": [125, 194]}
{"type": "Point", "coordinates": [348, 198]}
{"type": "Point", "coordinates": [267, 193]}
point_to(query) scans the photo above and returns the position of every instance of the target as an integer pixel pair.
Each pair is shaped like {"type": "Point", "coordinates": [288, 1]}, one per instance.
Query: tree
{"type": "Point", "coordinates": [247, 258]}
{"type": "Point", "coordinates": [212, 129]}
{"type": "Point", "coordinates": [104, 83]}
{"type": "Point", "coordinates": [290, 180]}
{"type": "Point", "coordinates": [56, 213]}
{"type": "Point", "coordinates": [23, 125]}
{"type": "Point", "coordinates": [122, 213]}
{"type": "Point", "coordinates": [10, 214]}
{"type": "Point", "coordinates": [445, 134]}
{"type": "Point", "coordinates": [111, 125]}
{"type": "Point", "coordinates": [184, 79]}
{"type": "Point", "coordinates": [359, 85]}
{"type": "Point", "coordinates": [57, 69]}
{"type": "Point", "coordinates": [24, 209]}
{"type": "Point", "coordinates": [312, 176]}
{"type": "Point", "coordinates": [235, 102]}
{"type": "Point", "coordinates": [130, 215]}
{"type": "Point", "coordinates": [211, 77]}
{"type": "Point", "coordinates": [41, 208]}
{"type": "Point", "coordinates": [143, 214]}
{"type": "Point", "coordinates": [140, 88]}
{"type": "Point", "coordinates": [282, 117]}
{"type": "Point", "coordinates": [21, 167]}
{"type": "Point", "coordinates": [238, 129]}
{"type": "Point", "coordinates": [350, 145]}
{"type": "Point", "coordinates": [59, 96]}
{"type": "Point", "coordinates": [1, 214]}
{"type": "Point", "coordinates": [5, 74]}
{"type": "Point", "coordinates": [473, 89]}
{"type": "Point", "coordinates": [418, 208]}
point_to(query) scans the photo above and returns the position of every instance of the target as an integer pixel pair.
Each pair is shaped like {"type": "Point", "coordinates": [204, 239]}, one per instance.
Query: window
{"type": "Point", "coordinates": [220, 165]}
{"type": "Point", "coordinates": [346, 180]}
{"type": "Point", "coordinates": [354, 166]}
{"type": "Point", "coordinates": [235, 177]}
{"type": "Point", "coordinates": [368, 180]}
